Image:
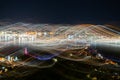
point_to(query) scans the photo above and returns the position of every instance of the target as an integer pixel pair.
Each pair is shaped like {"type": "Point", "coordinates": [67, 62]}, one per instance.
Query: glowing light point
{"type": "Point", "coordinates": [55, 59]}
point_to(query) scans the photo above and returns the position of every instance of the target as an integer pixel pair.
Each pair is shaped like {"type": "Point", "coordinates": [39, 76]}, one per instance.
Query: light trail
{"type": "Point", "coordinates": [43, 57]}
{"type": "Point", "coordinates": [59, 40]}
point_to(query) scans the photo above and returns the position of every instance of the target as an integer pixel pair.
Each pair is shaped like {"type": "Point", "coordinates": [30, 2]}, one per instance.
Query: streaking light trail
{"type": "Point", "coordinates": [40, 57]}
{"type": "Point", "coordinates": [42, 45]}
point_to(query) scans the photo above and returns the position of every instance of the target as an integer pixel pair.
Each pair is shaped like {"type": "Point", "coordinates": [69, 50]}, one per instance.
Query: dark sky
{"type": "Point", "coordinates": [61, 11]}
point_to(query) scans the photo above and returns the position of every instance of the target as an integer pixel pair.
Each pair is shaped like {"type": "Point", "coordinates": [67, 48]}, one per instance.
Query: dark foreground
{"type": "Point", "coordinates": [70, 70]}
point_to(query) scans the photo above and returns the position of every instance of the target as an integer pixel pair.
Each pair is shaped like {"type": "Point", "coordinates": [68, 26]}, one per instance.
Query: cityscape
{"type": "Point", "coordinates": [88, 51]}
{"type": "Point", "coordinates": [59, 39]}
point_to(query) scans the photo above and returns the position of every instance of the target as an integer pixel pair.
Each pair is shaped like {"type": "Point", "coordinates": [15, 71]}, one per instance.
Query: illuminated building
{"type": "Point", "coordinates": [2, 59]}
{"type": "Point", "coordinates": [16, 58]}
{"type": "Point", "coordinates": [39, 34]}
{"type": "Point", "coordinates": [70, 36]}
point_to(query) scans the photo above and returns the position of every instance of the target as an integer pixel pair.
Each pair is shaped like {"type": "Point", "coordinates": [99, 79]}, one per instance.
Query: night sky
{"type": "Point", "coordinates": [61, 11]}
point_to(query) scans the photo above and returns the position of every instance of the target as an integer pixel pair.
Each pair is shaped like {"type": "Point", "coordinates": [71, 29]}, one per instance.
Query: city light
{"type": "Point", "coordinates": [40, 47]}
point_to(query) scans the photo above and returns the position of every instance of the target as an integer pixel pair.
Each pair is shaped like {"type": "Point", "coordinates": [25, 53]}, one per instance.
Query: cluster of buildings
{"type": "Point", "coordinates": [22, 36]}
{"type": "Point", "coordinates": [9, 59]}
{"type": "Point", "coordinates": [15, 36]}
